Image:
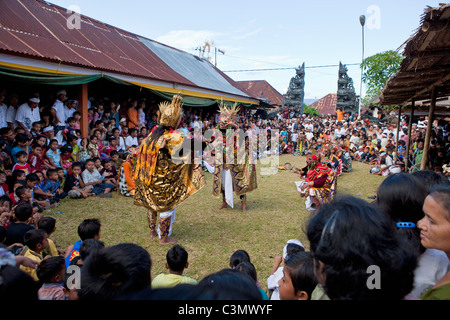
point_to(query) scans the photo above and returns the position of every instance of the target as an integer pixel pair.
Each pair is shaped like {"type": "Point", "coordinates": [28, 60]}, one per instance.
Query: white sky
{"type": "Point", "coordinates": [267, 34]}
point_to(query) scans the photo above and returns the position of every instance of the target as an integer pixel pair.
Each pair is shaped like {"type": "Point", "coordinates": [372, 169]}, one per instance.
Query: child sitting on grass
{"type": "Point", "coordinates": [51, 272]}
{"type": "Point", "coordinates": [36, 241]}
{"type": "Point", "coordinates": [177, 261]}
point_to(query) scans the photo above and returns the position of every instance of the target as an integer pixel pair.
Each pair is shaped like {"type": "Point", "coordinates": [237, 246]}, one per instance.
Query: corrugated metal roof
{"type": "Point", "coordinates": [39, 29]}
{"type": "Point", "coordinates": [258, 87]}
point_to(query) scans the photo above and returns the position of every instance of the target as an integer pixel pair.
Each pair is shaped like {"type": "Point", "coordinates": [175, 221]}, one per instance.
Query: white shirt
{"type": "Point", "coordinates": [432, 265]}
{"type": "Point", "coordinates": [26, 116]}
{"type": "Point", "coordinates": [68, 113]}
{"type": "Point", "coordinates": [294, 137]}
{"type": "Point", "coordinates": [3, 110]}
{"type": "Point", "coordinates": [130, 141]}
{"type": "Point", "coordinates": [60, 112]}
{"type": "Point", "coordinates": [11, 116]}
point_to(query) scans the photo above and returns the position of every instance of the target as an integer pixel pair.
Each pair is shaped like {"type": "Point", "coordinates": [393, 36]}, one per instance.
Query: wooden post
{"type": "Point", "coordinates": [411, 116]}
{"type": "Point", "coordinates": [398, 129]}
{"type": "Point", "coordinates": [83, 109]}
{"type": "Point", "coordinates": [426, 145]}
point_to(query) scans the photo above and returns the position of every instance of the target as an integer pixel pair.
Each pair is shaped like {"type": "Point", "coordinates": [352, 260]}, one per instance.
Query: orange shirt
{"type": "Point", "coordinates": [340, 115]}
{"type": "Point", "coordinates": [133, 120]}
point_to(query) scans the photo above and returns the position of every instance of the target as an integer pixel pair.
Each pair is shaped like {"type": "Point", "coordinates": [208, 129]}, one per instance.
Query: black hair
{"type": "Point", "coordinates": [248, 268]}
{"type": "Point", "coordinates": [17, 285]}
{"type": "Point", "coordinates": [300, 266]}
{"type": "Point", "coordinates": [16, 174]}
{"type": "Point", "coordinates": [113, 153]}
{"type": "Point", "coordinates": [47, 223]}
{"type": "Point", "coordinates": [348, 236]}
{"type": "Point", "coordinates": [89, 160]}
{"type": "Point", "coordinates": [49, 267]}
{"type": "Point", "coordinates": [177, 257]}
{"type": "Point", "coordinates": [292, 248]}
{"type": "Point", "coordinates": [401, 197]}
{"type": "Point", "coordinates": [51, 171]}
{"type": "Point", "coordinates": [237, 257]}
{"type": "Point", "coordinates": [77, 164]}
{"type": "Point", "coordinates": [430, 178]}
{"type": "Point", "coordinates": [20, 191]}
{"type": "Point", "coordinates": [23, 212]}
{"type": "Point", "coordinates": [22, 138]}
{"type": "Point", "coordinates": [89, 228]}
{"type": "Point", "coordinates": [90, 246]}
{"type": "Point", "coordinates": [115, 271]}
{"type": "Point", "coordinates": [33, 237]}
{"type": "Point", "coordinates": [31, 177]}
{"type": "Point", "coordinates": [441, 194]}
{"type": "Point", "coordinates": [227, 284]}
{"type": "Point", "coordinates": [20, 154]}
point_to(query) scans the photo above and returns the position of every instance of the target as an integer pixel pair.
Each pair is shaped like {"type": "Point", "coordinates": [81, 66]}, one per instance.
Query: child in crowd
{"type": "Point", "coordinates": [177, 262]}
{"type": "Point", "coordinates": [36, 193]}
{"type": "Point", "coordinates": [74, 185]}
{"type": "Point", "coordinates": [66, 157]}
{"type": "Point", "coordinates": [298, 280]}
{"type": "Point", "coordinates": [94, 181]}
{"type": "Point", "coordinates": [53, 186]}
{"type": "Point", "coordinates": [36, 241]}
{"type": "Point", "coordinates": [88, 229]}
{"type": "Point", "coordinates": [23, 223]}
{"type": "Point", "coordinates": [5, 213]}
{"type": "Point", "coordinates": [3, 186]}
{"type": "Point", "coordinates": [22, 164]}
{"type": "Point", "coordinates": [54, 155]}
{"type": "Point", "coordinates": [83, 154]}
{"type": "Point", "coordinates": [36, 159]}
{"type": "Point", "coordinates": [92, 148]}
{"type": "Point", "coordinates": [61, 177]}
{"type": "Point", "coordinates": [249, 269]}
{"type": "Point", "coordinates": [51, 272]}
{"type": "Point", "coordinates": [109, 172]}
{"type": "Point", "coordinates": [48, 224]}
{"type": "Point", "coordinates": [292, 246]}
{"type": "Point", "coordinates": [88, 247]}
{"type": "Point", "coordinates": [237, 257]}
{"type": "Point", "coordinates": [23, 144]}
{"type": "Point", "coordinates": [116, 161]}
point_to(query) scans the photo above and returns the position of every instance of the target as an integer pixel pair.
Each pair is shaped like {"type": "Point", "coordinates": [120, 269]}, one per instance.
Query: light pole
{"type": "Point", "coordinates": [362, 21]}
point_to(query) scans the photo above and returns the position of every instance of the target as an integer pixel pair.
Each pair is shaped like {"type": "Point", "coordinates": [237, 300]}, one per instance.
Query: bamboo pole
{"type": "Point", "coordinates": [411, 116]}
{"type": "Point", "coordinates": [426, 145]}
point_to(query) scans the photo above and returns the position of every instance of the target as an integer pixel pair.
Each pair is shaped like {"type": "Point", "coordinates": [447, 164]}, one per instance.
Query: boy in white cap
{"type": "Point", "coordinates": [58, 111]}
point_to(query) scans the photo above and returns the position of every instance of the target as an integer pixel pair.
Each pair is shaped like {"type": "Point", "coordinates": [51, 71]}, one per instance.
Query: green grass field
{"type": "Point", "coordinates": [276, 214]}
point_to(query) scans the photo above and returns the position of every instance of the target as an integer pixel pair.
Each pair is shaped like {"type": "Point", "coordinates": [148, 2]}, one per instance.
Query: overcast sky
{"type": "Point", "coordinates": [271, 34]}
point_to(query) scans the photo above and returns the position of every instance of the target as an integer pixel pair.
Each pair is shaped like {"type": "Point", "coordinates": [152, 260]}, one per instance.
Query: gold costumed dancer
{"type": "Point", "coordinates": [235, 177]}
{"type": "Point", "coordinates": [163, 177]}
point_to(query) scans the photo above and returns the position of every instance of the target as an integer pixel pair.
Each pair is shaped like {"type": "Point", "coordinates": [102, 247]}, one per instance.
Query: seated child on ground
{"type": "Point", "coordinates": [177, 261]}
{"type": "Point", "coordinates": [36, 241]}
{"type": "Point", "coordinates": [51, 272]}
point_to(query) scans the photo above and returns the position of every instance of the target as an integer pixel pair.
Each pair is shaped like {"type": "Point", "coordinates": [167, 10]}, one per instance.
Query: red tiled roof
{"type": "Point", "coordinates": [327, 104]}
{"type": "Point", "coordinates": [256, 87]}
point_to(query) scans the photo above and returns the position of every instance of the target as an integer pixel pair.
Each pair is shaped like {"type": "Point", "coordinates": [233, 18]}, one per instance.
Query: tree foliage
{"type": "Point", "coordinates": [377, 70]}
{"type": "Point", "coordinates": [310, 110]}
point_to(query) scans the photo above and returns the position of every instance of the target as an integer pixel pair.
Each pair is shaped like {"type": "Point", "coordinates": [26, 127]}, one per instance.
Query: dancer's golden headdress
{"type": "Point", "coordinates": [170, 113]}
{"type": "Point", "coordinates": [228, 114]}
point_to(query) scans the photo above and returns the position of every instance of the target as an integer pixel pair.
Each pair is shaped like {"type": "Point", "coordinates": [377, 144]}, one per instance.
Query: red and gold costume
{"type": "Point", "coordinates": [163, 183]}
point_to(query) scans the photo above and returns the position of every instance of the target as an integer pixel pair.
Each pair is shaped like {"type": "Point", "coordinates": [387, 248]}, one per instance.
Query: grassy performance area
{"type": "Point", "coordinates": [276, 214]}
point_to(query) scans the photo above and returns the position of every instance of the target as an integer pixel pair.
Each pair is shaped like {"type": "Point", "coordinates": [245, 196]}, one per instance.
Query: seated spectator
{"type": "Point", "coordinates": [298, 281]}
{"type": "Point", "coordinates": [53, 186]}
{"type": "Point", "coordinates": [87, 229]}
{"type": "Point", "coordinates": [36, 241]}
{"type": "Point", "coordinates": [48, 224]}
{"type": "Point", "coordinates": [22, 164]}
{"type": "Point", "coordinates": [115, 271]}
{"type": "Point", "coordinates": [51, 273]}
{"type": "Point", "coordinates": [53, 155]}
{"type": "Point", "coordinates": [435, 234]}
{"type": "Point", "coordinates": [74, 186]}
{"type": "Point", "coordinates": [109, 172]}
{"type": "Point", "coordinates": [23, 223]}
{"type": "Point", "coordinates": [176, 263]}
{"type": "Point", "coordinates": [341, 267]}
{"type": "Point", "coordinates": [249, 269]}
{"type": "Point", "coordinates": [94, 181]}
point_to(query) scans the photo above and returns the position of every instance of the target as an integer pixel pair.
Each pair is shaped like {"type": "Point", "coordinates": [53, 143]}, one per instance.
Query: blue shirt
{"type": "Point", "coordinates": [51, 186]}
{"type": "Point", "coordinates": [55, 157]}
